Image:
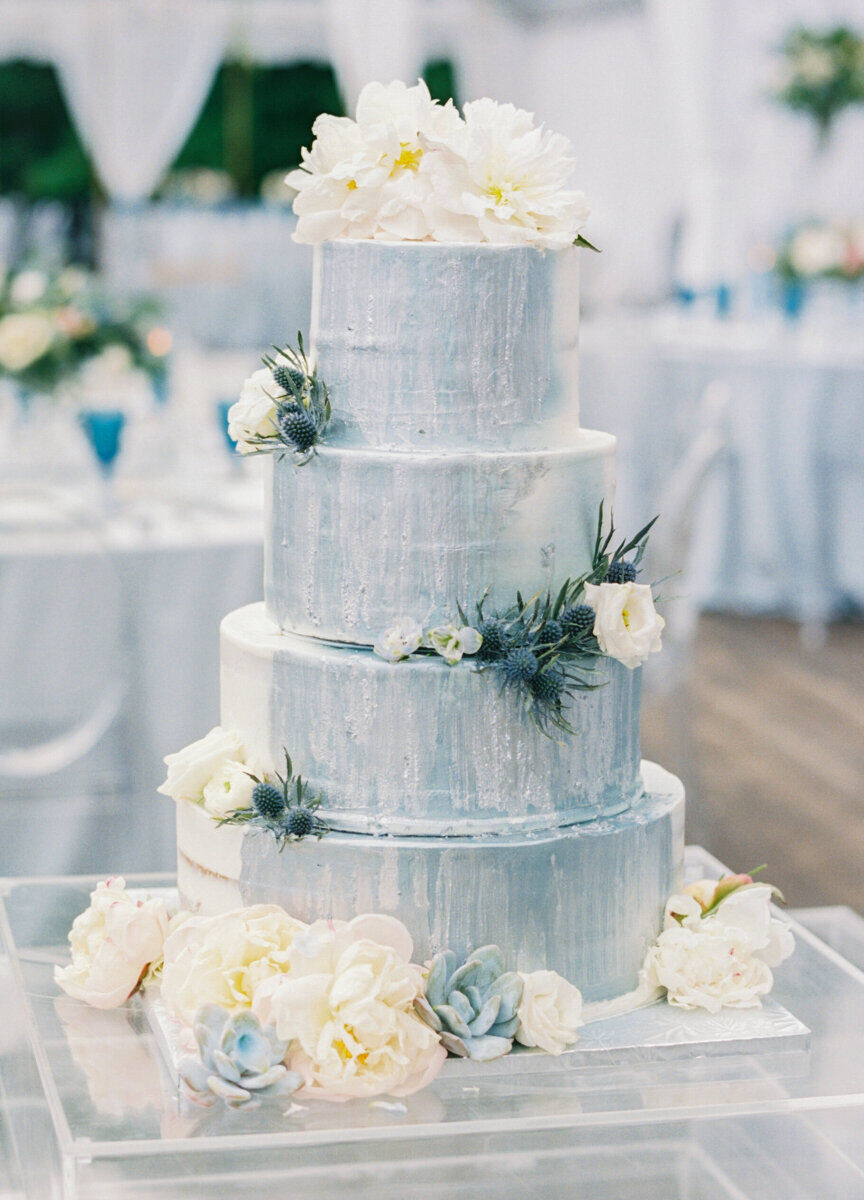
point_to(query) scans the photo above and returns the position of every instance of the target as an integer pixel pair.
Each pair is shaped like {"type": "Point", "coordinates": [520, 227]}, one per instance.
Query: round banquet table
{"type": "Point", "coordinates": [127, 619]}
{"type": "Point", "coordinates": [778, 524]}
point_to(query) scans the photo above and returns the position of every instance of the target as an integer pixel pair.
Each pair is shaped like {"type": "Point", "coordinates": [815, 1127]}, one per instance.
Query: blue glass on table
{"type": "Point", "coordinates": [223, 407]}
{"type": "Point", "coordinates": [793, 299]}
{"type": "Point", "coordinates": [104, 430]}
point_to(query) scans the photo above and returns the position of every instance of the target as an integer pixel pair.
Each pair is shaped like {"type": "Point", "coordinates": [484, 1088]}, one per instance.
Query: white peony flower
{"type": "Point", "coordinates": [817, 249]}
{"type": "Point", "coordinates": [191, 769]}
{"type": "Point", "coordinates": [451, 642]}
{"type": "Point", "coordinates": [501, 179]}
{"type": "Point", "coordinates": [706, 967]}
{"type": "Point", "coordinates": [346, 1005]}
{"type": "Point", "coordinates": [24, 338]}
{"type": "Point", "coordinates": [224, 959]}
{"type": "Point", "coordinates": [550, 1012]}
{"type": "Point", "coordinates": [254, 414]}
{"type": "Point", "coordinates": [723, 959]}
{"type": "Point", "coordinates": [400, 640]}
{"type": "Point", "coordinates": [113, 942]}
{"type": "Point", "coordinates": [230, 788]}
{"type": "Point", "coordinates": [626, 624]}
{"type": "Point", "coordinates": [366, 178]}
{"type": "Point", "coordinates": [27, 288]}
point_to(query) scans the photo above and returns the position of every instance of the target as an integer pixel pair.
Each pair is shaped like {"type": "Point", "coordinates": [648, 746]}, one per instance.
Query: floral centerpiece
{"type": "Point", "coordinates": [822, 250]}
{"type": "Point", "coordinates": [57, 328]}
{"type": "Point", "coordinates": [821, 74]}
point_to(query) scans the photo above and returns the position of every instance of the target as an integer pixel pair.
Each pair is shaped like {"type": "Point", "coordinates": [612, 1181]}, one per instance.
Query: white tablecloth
{"type": "Point", "coordinates": [779, 527]}
{"type": "Point", "coordinates": [144, 608]}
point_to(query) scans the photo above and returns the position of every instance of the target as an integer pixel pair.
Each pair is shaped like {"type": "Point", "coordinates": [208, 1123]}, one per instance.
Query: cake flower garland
{"type": "Point", "coordinates": [266, 1005]}
{"type": "Point", "coordinates": [547, 648]}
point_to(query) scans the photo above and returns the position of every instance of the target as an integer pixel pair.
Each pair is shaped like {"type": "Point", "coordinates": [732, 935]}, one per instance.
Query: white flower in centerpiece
{"type": "Point", "coordinates": [192, 768]}
{"type": "Point", "coordinates": [400, 640]}
{"type": "Point", "coordinates": [451, 642]}
{"type": "Point", "coordinates": [550, 1012]}
{"type": "Point", "coordinates": [28, 287]}
{"type": "Point", "coordinates": [814, 65]}
{"type": "Point", "coordinates": [816, 249]}
{"type": "Point", "coordinates": [254, 414]}
{"type": "Point", "coordinates": [113, 942]}
{"type": "Point", "coordinates": [722, 959]}
{"type": "Point", "coordinates": [230, 788]}
{"type": "Point", "coordinates": [24, 338]}
{"type": "Point", "coordinates": [346, 1006]}
{"type": "Point", "coordinates": [502, 179]}
{"type": "Point", "coordinates": [626, 624]}
{"type": "Point", "coordinates": [224, 959]}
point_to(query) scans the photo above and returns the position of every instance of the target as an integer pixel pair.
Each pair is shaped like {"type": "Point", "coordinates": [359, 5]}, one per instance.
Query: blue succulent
{"type": "Point", "coordinates": [472, 1005]}
{"type": "Point", "coordinates": [240, 1060]}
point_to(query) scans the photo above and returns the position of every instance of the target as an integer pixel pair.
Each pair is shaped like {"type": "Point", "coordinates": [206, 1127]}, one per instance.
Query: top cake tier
{"type": "Point", "coordinates": [433, 345]}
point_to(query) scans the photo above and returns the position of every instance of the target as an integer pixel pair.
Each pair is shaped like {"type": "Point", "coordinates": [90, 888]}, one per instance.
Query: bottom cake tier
{"type": "Point", "coordinates": [585, 901]}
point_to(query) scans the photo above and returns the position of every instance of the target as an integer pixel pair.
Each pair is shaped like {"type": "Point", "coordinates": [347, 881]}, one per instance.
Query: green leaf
{"type": "Point", "coordinates": [583, 241]}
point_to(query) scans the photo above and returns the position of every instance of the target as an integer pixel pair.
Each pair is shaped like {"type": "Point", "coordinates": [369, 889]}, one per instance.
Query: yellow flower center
{"type": "Point", "coordinates": [352, 185]}
{"type": "Point", "coordinates": [408, 160]}
{"type": "Point", "coordinates": [625, 616]}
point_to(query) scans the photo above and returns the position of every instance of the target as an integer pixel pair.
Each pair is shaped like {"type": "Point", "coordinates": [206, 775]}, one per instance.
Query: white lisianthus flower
{"type": "Point", "coordinates": [225, 959]}
{"type": "Point", "coordinates": [24, 338]}
{"type": "Point", "coordinates": [346, 1006]}
{"type": "Point", "coordinates": [113, 943]}
{"type": "Point", "coordinates": [400, 640]}
{"type": "Point", "coordinates": [502, 179]}
{"type": "Point", "coordinates": [254, 414]}
{"type": "Point", "coordinates": [191, 769]}
{"type": "Point", "coordinates": [229, 789]}
{"type": "Point", "coordinates": [451, 642]}
{"type": "Point", "coordinates": [747, 912]}
{"type": "Point", "coordinates": [817, 249]}
{"type": "Point", "coordinates": [27, 288]}
{"type": "Point", "coordinates": [550, 1012]}
{"type": "Point", "coordinates": [814, 65]}
{"type": "Point", "coordinates": [366, 178]}
{"type": "Point", "coordinates": [626, 624]}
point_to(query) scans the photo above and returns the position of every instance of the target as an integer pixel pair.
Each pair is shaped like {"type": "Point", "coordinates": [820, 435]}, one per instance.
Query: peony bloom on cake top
{"type": "Point", "coordinates": [410, 169]}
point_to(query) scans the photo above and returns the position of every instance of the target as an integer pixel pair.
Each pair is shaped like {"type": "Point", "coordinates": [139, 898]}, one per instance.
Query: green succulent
{"type": "Point", "coordinates": [472, 1005]}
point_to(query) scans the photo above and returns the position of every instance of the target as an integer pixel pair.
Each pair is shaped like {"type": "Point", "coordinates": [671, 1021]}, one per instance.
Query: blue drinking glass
{"type": "Point", "coordinates": [222, 409]}
{"type": "Point", "coordinates": [104, 430]}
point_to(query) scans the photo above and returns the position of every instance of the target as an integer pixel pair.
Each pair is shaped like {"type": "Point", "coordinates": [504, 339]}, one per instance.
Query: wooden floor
{"type": "Point", "coordinates": [769, 739]}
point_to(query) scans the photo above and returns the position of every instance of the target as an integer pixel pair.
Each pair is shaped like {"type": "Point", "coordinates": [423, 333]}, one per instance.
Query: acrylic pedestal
{"type": "Point", "coordinates": [88, 1109]}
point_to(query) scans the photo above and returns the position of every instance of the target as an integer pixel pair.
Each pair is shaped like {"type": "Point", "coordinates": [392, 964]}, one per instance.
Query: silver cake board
{"type": "Point", "coordinates": [656, 1032]}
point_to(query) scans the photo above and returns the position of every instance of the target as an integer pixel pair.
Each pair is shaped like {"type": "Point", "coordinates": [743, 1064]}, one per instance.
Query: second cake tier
{"type": "Point", "coordinates": [419, 747]}
{"type": "Point", "coordinates": [358, 538]}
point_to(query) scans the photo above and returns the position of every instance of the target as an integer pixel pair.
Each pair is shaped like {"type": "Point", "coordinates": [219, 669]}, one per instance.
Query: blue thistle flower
{"type": "Point", "coordinates": [553, 632]}
{"type": "Point", "coordinates": [547, 686]}
{"type": "Point", "coordinates": [621, 571]}
{"type": "Point", "coordinates": [299, 822]}
{"type": "Point", "coordinates": [286, 375]}
{"type": "Point", "coordinates": [298, 427]}
{"type": "Point", "coordinates": [519, 666]}
{"type": "Point", "coordinates": [578, 618]}
{"type": "Point", "coordinates": [268, 800]}
{"type": "Point", "coordinates": [495, 640]}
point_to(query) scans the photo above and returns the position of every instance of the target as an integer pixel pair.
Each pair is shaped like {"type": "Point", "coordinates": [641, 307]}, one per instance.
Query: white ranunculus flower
{"type": "Point", "coordinates": [113, 942]}
{"type": "Point", "coordinates": [501, 179]}
{"type": "Point", "coordinates": [27, 288]}
{"type": "Point", "coordinates": [451, 642]}
{"type": "Point", "coordinates": [191, 769]}
{"type": "Point", "coordinates": [346, 1005]}
{"type": "Point", "coordinates": [626, 624]}
{"type": "Point", "coordinates": [747, 912]}
{"type": "Point", "coordinates": [550, 1012]}
{"type": "Point", "coordinates": [224, 959]}
{"type": "Point", "coordinates": [24, 338]}
{"type": "Point", "coordinates": [816, 249]}
{"type": "Point", "coordinates": [400, 640]}
{"type": "Point", "coordinates": [229, 789]}
{"type": "Point", "coordinates": [254, 414]}
{"type": "Point", "coordinates": [706, 967]}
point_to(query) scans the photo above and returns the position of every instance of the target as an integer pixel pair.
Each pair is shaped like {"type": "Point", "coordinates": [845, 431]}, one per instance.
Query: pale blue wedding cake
{"type": "Point", "coordinates": [453, 468]}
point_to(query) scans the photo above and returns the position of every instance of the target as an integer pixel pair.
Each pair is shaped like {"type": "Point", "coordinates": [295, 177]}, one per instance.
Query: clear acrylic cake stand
{"type": "Point", "coordinates": [651, 1106]}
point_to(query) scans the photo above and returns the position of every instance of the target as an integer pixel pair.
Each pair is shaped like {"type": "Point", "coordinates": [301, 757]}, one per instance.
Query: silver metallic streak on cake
{"type": "Point", "coordinates": [359, 537]}
{"type": "Point", "coordinates": [418, 747]}
{"type": "Point", "coordinates": [585, 901]}
{"type": "Point", "coordinates": [428, 345]}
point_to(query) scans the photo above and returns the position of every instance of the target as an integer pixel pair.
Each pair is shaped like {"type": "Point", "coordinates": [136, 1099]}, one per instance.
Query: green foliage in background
{"type": "Point", "coordinates": [254, 120]}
